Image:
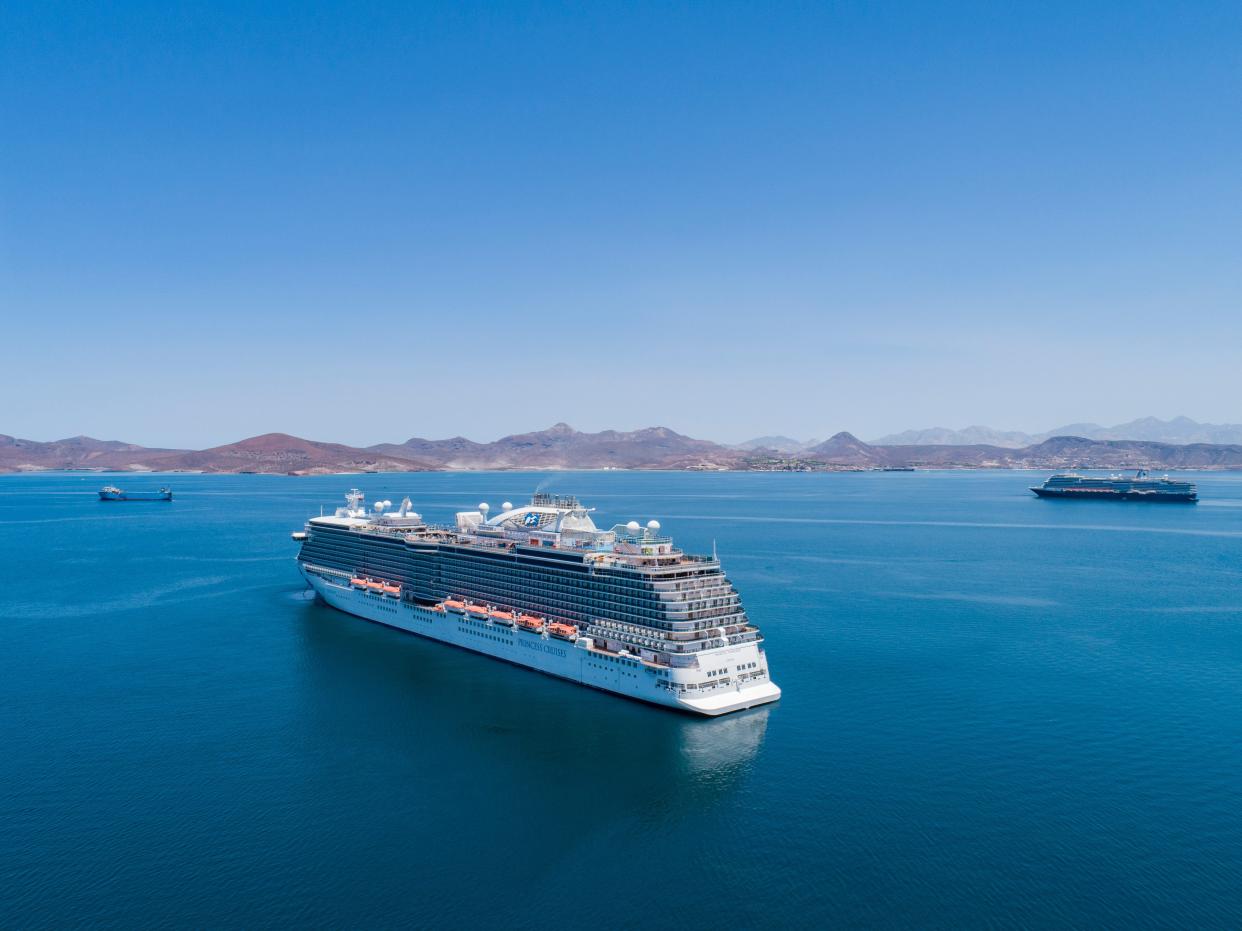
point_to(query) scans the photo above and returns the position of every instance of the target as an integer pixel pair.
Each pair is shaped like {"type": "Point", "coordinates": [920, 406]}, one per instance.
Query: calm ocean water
{"type": "Point", "coordinates": [998, 711]}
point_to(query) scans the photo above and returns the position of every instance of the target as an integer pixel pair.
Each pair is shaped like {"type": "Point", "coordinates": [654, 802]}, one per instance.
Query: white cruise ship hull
{"type": "Point", "coordinates": [623, 675]}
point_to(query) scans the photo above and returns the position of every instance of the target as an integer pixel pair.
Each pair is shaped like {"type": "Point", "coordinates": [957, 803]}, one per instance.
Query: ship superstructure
{"type": "Point", "coordinates": [1140, 487]}
{"type": "Point", "coordinates": [540, 585]}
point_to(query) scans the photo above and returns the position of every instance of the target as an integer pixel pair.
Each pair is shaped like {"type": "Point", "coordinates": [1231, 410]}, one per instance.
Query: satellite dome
{"type": "Point", "coordinates": [484, 507]}
{"type": "Point", "coordinates": [387, 503]}
{"type": "Point", "coordinates": [633, 526]}
{"type": "Point", "coordinates": [379, 505]}
{"type": "Point", "coordinates": [507, 506]}
{"type": "Point", "coordinates": [653, 525]}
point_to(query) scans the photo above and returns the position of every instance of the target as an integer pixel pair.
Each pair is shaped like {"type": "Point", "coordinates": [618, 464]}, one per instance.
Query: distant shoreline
{"type": "Point", "coordinates": [561, 448]}
{"type": "Point", "coordinates": [1043, 470]}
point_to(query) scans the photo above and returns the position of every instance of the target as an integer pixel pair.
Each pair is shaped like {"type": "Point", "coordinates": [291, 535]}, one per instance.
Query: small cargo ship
{"type": "Point", "coordinates": [1141, 487]}
{"type": "Point", "coordinates": [112, 493]}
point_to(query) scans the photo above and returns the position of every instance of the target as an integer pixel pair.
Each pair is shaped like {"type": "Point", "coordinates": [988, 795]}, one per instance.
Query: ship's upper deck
{"type": "Point", "coordinates": [556, 523]}
{"type": "Point", "coordinates": [1140, 479]}
{"type": "Point", "coordinates": [627, 584]}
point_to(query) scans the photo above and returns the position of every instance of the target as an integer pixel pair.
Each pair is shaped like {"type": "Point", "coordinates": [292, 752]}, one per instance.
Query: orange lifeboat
{"type": "Point", "coordinates": [392, 589]}
{"type": "Point", "coordinates": [530, 622]}
{"type": "Point", "coordinates": [374, 586]}
{"type": "Point", "coordinates": [477, 610]}
{"type": "Point", "coordinates": [454, 605]}
{"type": "Point", "coordinates": [358, 583]}
{"type": "Point", "coordinates": [564, 631]}
{"type": "Point", "coordinates": [503, 617]}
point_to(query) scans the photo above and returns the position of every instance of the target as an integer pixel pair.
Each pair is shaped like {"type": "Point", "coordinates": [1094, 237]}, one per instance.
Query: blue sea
{"type": "Point", "coordinates": [998, 712]}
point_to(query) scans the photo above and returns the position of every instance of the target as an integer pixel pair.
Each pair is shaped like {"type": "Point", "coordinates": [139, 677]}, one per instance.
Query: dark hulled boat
{"type": "Point", "coordinates": [112, 493]}
{"type": "Point", "coordinates": [1141, 487]}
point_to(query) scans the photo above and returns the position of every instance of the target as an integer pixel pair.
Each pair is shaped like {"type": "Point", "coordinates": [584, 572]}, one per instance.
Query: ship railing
{"type": "Point", "coordinates": [680, 563]}
{"type": "Point", "coordinates": [734, 617]}
{"type": "Point", "coordinates": [712, 685]}
{"type": "Point", "coordinates": [740, 680]}
{"type": "Point", "coordinates": [684, 613]}
{"type": "Point", "coordinates": [734, 623]}
{"type": "Point", "coordinates": [721, 589]}
{"type": "Point", "coordinates": [686, 601]}
{"type": "Point", "coordinates": [324, 570]}
{"type": "Point", "coordinates": [655, 644]}
{"type": "Point", "coordinates": [700, 582]}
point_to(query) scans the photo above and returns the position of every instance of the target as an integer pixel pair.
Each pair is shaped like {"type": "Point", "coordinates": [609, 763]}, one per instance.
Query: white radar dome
{"type": "Point", "coordinates": [633, 526]}
{"type": "Point", "coordinates": [484, 507]}
{"type": "Point", "coordinates": [387, 503]}
{"type": "Point", "coordinates": [653, 525]}
{"type": "Point", "coordinates": [507, 506]}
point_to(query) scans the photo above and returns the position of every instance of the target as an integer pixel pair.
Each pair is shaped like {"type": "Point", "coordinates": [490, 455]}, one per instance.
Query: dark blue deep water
{"type": "Point", "coordinates": [998, 711]}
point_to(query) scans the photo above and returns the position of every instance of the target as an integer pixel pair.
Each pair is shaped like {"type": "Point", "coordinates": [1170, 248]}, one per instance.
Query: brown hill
{"type": "Point", "coordinates": [563, 447]}
{"type": "Point", "coordinates": [272, 452]}
{"type": "Point", "coordinates": [280, 452]}
{"type": "Point", "coordinates": [1106, 454]}
{"type": "Point", "coordinates": [78, 452]}
{"type": "Point", "coordinates": [451, 453]}
{"type": "Point", "coordinates": [1057, 453]}
{"type": "Point", "coordinates": [846, 449]}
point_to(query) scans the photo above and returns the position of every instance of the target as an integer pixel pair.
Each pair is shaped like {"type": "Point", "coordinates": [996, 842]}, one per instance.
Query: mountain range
{"type": "Point", "coordinates": [782, 444]}
{"type": "Point", "coordinates": [1179, 430]}
{"type": "Point", "coordinates": [559, 447]}
{"type": "Point", "coordinates": [1059, 452]}
{"type": "Point", "coordinates": [562, 447]}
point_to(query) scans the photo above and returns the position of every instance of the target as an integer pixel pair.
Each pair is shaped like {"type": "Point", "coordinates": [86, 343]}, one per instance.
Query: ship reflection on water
{"type": "Point", "coordinates": [405, 695]}
{"type": "Point", "coordinates": [725, 746]}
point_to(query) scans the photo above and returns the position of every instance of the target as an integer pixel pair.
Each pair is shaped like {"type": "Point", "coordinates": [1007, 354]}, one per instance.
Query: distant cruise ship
{"type": "Point", "coordinates": [541, 586]}
{"type": "Point", "coordinates": [1116, 488]}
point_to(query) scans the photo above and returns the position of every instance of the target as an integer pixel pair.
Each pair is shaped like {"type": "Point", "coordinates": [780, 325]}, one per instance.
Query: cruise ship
{"type": "Point", "coordinates": [539, 585]}
{"type": "Point", "coordinates": [1141, 487]}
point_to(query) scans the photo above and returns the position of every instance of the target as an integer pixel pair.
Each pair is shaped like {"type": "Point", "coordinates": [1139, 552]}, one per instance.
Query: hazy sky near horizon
{"type": "Point", "coordinates": [361, 222]}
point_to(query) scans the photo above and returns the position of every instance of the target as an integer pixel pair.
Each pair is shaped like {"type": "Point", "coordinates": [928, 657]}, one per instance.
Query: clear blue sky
{"type": "Point", "coordinates": [360, 222]}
